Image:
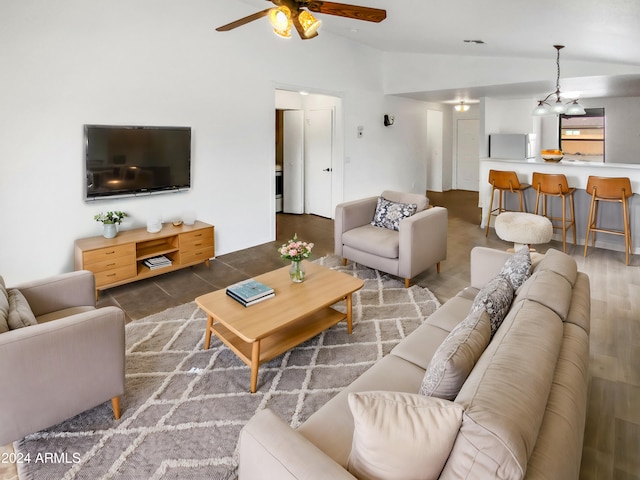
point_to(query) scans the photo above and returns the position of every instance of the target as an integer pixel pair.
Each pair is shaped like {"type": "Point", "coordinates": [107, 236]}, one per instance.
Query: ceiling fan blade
{"type": "Point", "coordinates": [350, 11]}
{"type": "Point", "coordinates": [243, 21]}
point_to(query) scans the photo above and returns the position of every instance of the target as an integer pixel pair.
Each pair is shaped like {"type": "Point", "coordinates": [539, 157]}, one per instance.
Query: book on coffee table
{"type": "Point", "coordinates": [249, 290]}
{"type": "Point", "coordinates": [248, 304]}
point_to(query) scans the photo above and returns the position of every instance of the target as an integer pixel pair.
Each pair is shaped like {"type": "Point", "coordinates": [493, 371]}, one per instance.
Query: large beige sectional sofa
{"type": "Point", "coordinates": [523, 405]}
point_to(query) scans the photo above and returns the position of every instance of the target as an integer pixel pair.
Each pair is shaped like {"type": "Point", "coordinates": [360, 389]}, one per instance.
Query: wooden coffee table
{"type": "Point", "coordinates": [298, 312]}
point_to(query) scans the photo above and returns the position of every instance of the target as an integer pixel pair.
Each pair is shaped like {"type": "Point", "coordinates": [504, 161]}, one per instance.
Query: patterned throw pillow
{"type": "Point", "coordinates": [388, 214]}
{"type": "Point", "coordinates": [495, 297]}
{"type": "Point", "coordinates": [455, 357]}
{"type": "Point", "coordinates": [518, 268]}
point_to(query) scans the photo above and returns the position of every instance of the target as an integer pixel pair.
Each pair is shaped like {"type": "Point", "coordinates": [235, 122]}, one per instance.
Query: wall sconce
{"type": "Point", "coordinates": [388, 120]}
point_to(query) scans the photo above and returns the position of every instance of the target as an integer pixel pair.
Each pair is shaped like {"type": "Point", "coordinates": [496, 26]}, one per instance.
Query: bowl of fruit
{"type": "Point", "coordinates": [552, 155]}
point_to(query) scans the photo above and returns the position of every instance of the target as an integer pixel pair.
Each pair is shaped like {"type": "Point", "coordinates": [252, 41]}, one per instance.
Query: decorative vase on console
{"type": "Point", "coordinates": [296, 250]}
{"type": "Point", "coordinates": [110, 230]}
{"type": "Point", "coordinates": [109, 221]}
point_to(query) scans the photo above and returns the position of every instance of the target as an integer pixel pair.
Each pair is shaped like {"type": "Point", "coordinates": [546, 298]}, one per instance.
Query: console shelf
{"type": "Point", "coordinates": [117, 261]}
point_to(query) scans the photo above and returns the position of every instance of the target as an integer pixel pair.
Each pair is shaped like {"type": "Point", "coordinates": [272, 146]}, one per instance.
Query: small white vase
{"type": "Point", "coordinates": [110, 230]}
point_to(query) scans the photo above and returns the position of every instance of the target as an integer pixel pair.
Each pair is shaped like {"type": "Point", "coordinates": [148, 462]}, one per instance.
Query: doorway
{"type": "Point", "coordinates": [308, 152]}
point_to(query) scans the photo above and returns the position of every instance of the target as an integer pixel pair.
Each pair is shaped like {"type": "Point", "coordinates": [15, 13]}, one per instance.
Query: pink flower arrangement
{"type": "Point", "coordinates": [295, 249]}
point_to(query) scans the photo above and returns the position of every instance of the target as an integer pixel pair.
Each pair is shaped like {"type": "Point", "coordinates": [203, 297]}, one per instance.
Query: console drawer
{"type": "Point", "coordinates": [111, 264]}
{"type": "Point", "coordinates": [109, 253]}
{"type": "Point", "coordinates": [189, 239]}
{"type": "Point", "coordinates": [194, 256]}
{"type": "Point", "coordinates": [110, 276]}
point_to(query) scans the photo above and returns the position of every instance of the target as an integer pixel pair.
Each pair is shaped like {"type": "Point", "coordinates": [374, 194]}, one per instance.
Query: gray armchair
{"type": "Point", "coordinates": [69, 360]}
{"type": "Point", "coordinates": [420, 242]}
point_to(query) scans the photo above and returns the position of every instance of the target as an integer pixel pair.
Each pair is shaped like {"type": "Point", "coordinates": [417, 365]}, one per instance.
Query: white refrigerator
{"type": "Point", "coordinates": [514, 146]}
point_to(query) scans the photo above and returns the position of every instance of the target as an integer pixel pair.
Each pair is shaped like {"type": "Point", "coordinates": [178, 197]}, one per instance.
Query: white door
{"type": "Point", "coordinates": [318, 162]}
{"type": "Point", "coordinates": [468, 153]}
{"type": "Point", "coordinates": [293, 162]}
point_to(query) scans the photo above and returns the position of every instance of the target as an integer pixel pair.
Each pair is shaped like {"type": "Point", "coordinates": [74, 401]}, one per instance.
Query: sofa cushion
{"type": "Point", "coordinates": [331, 427]}
{"type": "Point", "coordinates": [505, 396]}
{"type": "Point", "coordinates": [455, 357]}
{"type": "Point", "coordinates": [378, 241]}
{"type": "Point", "coordinates": [560, 263]}
{"type": "Point", "coordinates": [549, 289]}
{"type": "Point", "coordinates": [64, 313]}
{"type": "Point", "coordinates": [20, 314]}
{"type": "Point", "coordinates": [4, 309]}
{"type": "Point", "coordinates": [388, 214]}
{"type": "Point", "coordinates": [518, 267]}
{"type": "Point", "coordinates": [495, 297]}
{"type": "Point", "coordinates": [420, 345]}
{"type": "Point", "coordinates": [401, 436]}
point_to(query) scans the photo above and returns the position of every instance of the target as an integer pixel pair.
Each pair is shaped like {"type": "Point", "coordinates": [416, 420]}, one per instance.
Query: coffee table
{"type": "Point", "coordinates": [298, 312]}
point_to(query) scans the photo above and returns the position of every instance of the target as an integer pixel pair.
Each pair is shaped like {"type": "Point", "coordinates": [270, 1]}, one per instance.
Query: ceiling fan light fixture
{"type": "Point", "coordinates": [310, 24]}
{"type": "Point", "coordinates": [280, 18]}
{"type": "Point", "coordinates": [461, 107]}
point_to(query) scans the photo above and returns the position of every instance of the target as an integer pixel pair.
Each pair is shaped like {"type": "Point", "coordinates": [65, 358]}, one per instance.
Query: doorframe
{"type": "Point", "coordinates": [338, 149]}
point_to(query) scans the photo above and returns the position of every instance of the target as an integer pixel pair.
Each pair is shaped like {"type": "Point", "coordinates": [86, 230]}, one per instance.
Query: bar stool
{"type": "Point", "coordinates": [555, 185]}
{"type": "Point", "coordinates": [504, 181]}
{"type": "Point", "coordinates": [609, 190]}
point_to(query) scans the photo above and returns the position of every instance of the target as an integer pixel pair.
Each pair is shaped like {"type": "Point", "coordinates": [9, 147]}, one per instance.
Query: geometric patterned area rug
{"type": "Point", "coordinates": [183, 407]}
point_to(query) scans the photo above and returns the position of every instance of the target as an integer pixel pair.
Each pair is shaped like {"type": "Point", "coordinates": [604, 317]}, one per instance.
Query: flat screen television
{"type": "Point", "coordinates": [129, 161]}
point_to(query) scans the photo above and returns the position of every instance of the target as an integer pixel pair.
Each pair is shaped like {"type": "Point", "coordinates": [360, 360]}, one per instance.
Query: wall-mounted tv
{"type": "Point", "coordinates": [128, 161]}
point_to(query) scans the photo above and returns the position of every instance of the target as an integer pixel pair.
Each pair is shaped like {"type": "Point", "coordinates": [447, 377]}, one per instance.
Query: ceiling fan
{"type": "Point", "coordinates": [297, 13]}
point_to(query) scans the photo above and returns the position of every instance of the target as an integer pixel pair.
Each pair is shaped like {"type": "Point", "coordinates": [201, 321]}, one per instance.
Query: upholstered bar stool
{"type": "Point", "coordinates": [605, 189]}
{"type": "Point", "coordinates": [555, 185]}
{"type": "Point", "coordinates": [503, 181]}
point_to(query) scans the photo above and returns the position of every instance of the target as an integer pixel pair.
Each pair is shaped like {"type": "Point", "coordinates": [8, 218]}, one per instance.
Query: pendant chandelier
{"type": "Point", "coordinates": [548, 106]}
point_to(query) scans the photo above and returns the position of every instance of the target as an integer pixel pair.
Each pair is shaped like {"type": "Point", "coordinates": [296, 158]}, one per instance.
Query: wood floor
{"type": "Point", "coordinates": [612, 437]}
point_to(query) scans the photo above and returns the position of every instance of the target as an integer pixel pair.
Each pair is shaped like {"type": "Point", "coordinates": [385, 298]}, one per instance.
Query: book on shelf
{"type": "Point", "coordinates": [249, 290]}
{"type": "Point", "coordinates": [157, 262]}
{"type": "Point", "coordinates": [252, 302]}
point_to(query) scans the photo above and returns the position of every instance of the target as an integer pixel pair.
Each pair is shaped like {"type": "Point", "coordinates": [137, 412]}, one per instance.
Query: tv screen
{"type": "Point", "coordinates": [125, 161]}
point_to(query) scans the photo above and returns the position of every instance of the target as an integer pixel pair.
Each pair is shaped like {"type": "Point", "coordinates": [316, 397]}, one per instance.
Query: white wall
{"type": "Point", "coordinates": [157, 62]}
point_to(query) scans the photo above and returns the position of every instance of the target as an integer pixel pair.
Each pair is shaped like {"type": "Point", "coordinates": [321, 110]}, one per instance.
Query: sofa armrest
{"type": "Point", "coordinates": [486, 263]}
{"type": "Point", "coordinates": [270, 449]}
{"type": "Point", "coordinates": [350, 215]}
{"type": "Point", "coordinates": [67, 290]}
{"type": "Point", "coordinates": [423, 241]}
{"type": "Point", "coordinates": [58, 369]}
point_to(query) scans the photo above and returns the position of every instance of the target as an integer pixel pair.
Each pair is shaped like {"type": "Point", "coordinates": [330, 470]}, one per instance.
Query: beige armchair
{"type": "Point", "coordinates": [69, 360]}
{"type": "Point", "coordinates": [419, 243]}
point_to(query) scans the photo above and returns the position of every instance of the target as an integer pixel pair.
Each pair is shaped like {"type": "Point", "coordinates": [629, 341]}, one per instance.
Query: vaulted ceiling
{"type": "Point", "coordinates": [592, 31]}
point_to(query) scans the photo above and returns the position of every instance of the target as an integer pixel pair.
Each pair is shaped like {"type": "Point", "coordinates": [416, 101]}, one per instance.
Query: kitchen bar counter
{"type": "Point", "coordinates": [577, 174]}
